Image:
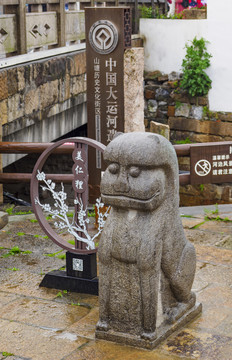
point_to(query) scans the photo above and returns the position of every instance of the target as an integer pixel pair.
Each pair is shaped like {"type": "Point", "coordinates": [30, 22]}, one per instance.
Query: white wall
{"type": "Point", "coordinates": [165, 48]}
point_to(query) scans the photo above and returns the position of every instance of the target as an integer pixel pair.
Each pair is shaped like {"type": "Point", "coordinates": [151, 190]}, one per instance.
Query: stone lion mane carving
{"type": "Point", "coordinates": [143, 242]}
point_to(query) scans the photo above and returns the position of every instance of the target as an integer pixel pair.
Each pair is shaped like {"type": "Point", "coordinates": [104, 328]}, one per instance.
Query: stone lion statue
{"type": "Point", "coordinates": [143, 247]}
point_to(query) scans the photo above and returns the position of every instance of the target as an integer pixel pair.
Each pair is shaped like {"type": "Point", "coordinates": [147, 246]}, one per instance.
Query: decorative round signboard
{"type": "Point", "coordinates": [78, 225]}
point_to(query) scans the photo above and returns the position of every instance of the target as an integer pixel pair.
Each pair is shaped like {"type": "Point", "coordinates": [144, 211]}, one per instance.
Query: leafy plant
{"type": "Point", "coordinates": [33, 220]}
{"type": "Point", "coordinates": [23, 212]}
{"type": "Point", "coordinates": [212, 212]}
{"type": "Point", "coordinates": [9, 210]}
{"type": "Point", "coordinates": [197, 59]}
{"type": "Point", "coordinates": [5, 353]}
{"type": "Point", "coordinates": [53, 254]}
{"type": "Point", "coordinates": [14, 251]}
{"type": "Point", "coordinates": [178, 104]}
{"type": "Point", "coordinates": [184, 141]}
{"type": "Point", "coordinates": [13, 269]}
{"type": "Point", "coordinates": [201, 187]}
{"type": "Point", "coordinates": [61, 293]}
{"type": "Point", "coordinates": [146, 12]}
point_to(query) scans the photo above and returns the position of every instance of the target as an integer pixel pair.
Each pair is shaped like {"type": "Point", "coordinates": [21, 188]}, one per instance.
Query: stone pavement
{"type": "Point", "coordinates": [47, 324]}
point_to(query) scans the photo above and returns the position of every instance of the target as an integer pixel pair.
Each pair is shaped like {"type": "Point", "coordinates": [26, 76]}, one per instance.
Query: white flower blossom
{"type": "Point", "coordinates": [41, 176]}
{"type": "Point", "coordinates": [60, 213]}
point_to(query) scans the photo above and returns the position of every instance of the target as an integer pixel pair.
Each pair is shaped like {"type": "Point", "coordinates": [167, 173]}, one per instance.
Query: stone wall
{"type": "Point", "coordinates": [35, 97]}
{"type": "Point", "coordinates": [190, 121]}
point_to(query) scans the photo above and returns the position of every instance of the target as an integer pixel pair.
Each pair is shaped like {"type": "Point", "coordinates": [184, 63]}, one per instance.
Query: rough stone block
{"type": "Point", "coordinates": [153, 75]}
{"type": "Point", "coordinates": [3, 87]}
{"type": "Point", "coordinates": [205, 127]}
{"type": "Point", "coordinates": [171, 110]}
{"type": "Point", "coordinates": [21, 78]}
{"type": "Point", "coordinates": [225, 117]}
{"type": "Point", "coordinates": [182, 110]}
{"type": "Point", "coordinates": [181, 97]}
{"type": "Point", "coordinates": [12, 81]}
{"type": "Point", "coordinates": [3, 215]}
{"type": "Point", "coordinates": [149, 94]}
{"type": "Point", "coordinates": [77, 64]}
{"type": "Point", "coordinates": [3, 112]}
{"type": "Point", "coordinates": [48, 94]}
{"type": "Point", "coordinates": [196, 112]}
{"type": "Point", "coordinates": [32, 99]}
{"type": "Point", "coordinates": [77, 85]}
{"type": "Point", "coordinates": [133, 90]}
{"type": "Point", "coordinates": [152, 106]}
{"type": "Point", "coordinates": [15, 107]}
{"type": "Point", "coordinates": [160, 129]}
{"type": "Point", "coordinates": [64, 88]}
{"type": "Point", "coordinates": [174, 76]}
{"type": "Point", "coordinates": [161, 94]}
{"type": "Point", "coordinates": [163, 78]}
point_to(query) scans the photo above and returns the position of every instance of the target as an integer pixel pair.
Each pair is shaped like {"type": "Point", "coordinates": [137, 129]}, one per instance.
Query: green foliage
{"type": "Point", "coordinates": [92, 213]}
{"type": "Point", "coordinates": [209, 114]}
{"type": "Point", "coordinates": [212, 212]}
{"type": "Point", "coordinates": [23, 212]}
{"type": "Point", "coordinates": [9, 210]}
{"type": "Point", "coordinates": [178, 104]}
{"type": "Point", "coordinates": [72, 242]}
{"type": "Point", "coordinates": [5, 353]}
{"type": "Point", "coordinates": [61, 293]}
{"type": "Point", "coordinates": [56, 254]}
{"type": "Point", "coordinates": [201, 186]}
{"type": "Point", "coordinates": [184, 141]}
{"type": "Point", "coordinates": [13, 269]}
{"type": "Point", "coordinates": [146, 12]}
{"type": "Point", "coordinates": [33, 220]}
{"type": "Point", "coordinates": [15, 251]}
{"type": "Point", "coordinates": [20, 233]}
{"type": "Point", "coordinates": [197, 59]}
{"type": "Point", "coordinates": [61, 256]}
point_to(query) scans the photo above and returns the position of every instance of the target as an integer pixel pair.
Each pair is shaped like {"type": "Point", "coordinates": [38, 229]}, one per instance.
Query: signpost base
{"type": "Point", "coordinates": [81, 275]}
{"type": "Point", "coordinates": [58, 279]}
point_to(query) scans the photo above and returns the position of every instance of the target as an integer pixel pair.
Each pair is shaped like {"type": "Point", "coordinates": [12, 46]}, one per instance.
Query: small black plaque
{"type": "Point", "coordinates": [81, 265]}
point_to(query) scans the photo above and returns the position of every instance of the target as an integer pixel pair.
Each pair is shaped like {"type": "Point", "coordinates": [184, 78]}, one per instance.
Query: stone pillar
{"type": "Point", "coordinates": [133, 90]}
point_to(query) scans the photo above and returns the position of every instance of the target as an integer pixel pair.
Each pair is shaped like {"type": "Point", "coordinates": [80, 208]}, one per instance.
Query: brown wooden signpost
{"type": "Point", "coordinates": [108, 34]}
{"type": "Point", "coordinates": [211, 163]}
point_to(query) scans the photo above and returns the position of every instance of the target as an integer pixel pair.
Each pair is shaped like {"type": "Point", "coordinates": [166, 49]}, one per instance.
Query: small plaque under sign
{"type": "Point", "coordinates": [211, 163]}
{"type": "Point", "coordinates": [77, 264]}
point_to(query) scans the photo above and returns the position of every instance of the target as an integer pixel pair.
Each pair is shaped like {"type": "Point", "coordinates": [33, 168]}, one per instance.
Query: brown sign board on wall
{"type": "Point", "coordinates": [108, 34]}
{"type": "Point", "coordinates": [211, 163]}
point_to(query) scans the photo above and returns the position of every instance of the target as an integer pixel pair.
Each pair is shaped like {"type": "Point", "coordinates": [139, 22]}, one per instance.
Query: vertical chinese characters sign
{"type": "Point", "coordinates": [108, 34]}
{"type": "Point", "coordinates": [211, 163]}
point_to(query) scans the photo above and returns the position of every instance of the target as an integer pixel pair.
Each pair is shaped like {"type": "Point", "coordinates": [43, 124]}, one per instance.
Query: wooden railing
{"type": "Point", "coordinates": [33, 25]}
{"type": "Point", "coordinates": [45, 26]}
{"type": "Point", "coordinates": [38, 148]}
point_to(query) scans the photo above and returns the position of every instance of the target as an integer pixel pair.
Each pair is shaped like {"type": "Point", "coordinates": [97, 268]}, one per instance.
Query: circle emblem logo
{"type": "Point", "coordinates": [202, 167]}
{"type": "Point", "coordinates": [103, 36]}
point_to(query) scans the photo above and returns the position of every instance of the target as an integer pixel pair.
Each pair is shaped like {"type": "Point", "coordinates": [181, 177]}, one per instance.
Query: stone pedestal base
{"type": "Point", "coordinates": [163, 331]}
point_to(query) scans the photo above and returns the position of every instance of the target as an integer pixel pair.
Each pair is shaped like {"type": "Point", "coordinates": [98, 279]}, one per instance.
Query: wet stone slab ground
{"type": "Point", "coordinates": [38, 323]}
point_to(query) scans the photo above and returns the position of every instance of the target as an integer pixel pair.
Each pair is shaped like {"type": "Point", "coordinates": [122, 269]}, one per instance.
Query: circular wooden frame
{"type": "Point", "coordinates": [34, 190]}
